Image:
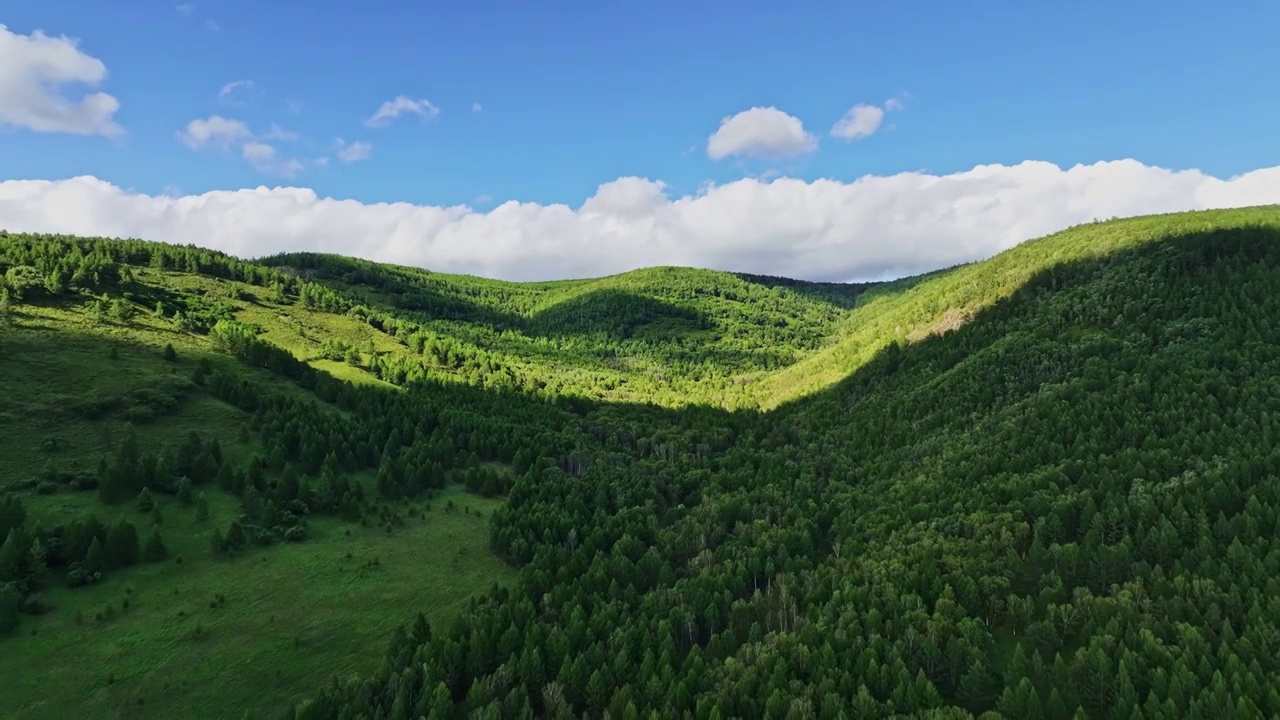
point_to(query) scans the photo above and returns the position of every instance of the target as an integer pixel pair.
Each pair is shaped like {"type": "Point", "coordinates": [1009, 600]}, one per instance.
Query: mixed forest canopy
{"type": "Point", "coordinates": [1045, 485]}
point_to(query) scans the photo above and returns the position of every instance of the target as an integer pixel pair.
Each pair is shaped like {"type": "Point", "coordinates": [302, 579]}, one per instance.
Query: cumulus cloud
{"type": "Point", "coordinates": [861, 121]}
{"type": "Point", "coordinates": [223, 134]}
{"type": "Point", "coordinates": [353, 152]}
{"type": "Point", "coordinates": [35, 69]}
{"type": "Point", "coordinates": [763, 132]}
{"type": "Point", "coordinates": [214, 131]}
{"type": "Point", "coordinates": [821, 230]}
{"type": "Point", "coordinates": [392, 109]}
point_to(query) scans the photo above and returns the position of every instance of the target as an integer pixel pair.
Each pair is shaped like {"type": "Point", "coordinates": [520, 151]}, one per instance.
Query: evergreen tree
{"type": "Point", "coordinates": [122, 548]}
{"type": "Point", "coordinates": [202, 508]}
{"type": "Point", "coordinates": [94, 559]}
{"type": "Point", "coordinates": [236, 538]}
{"type": "Point", "coordinates": [186, 493]}
{"type": "Point", "coordinates": [155, 550]}
{"type": "Point", "coordinates": [145, 501]}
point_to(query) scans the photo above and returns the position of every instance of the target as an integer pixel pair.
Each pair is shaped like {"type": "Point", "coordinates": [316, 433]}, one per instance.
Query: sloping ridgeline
{"type": "Point", "coordinates": [1042, 485]}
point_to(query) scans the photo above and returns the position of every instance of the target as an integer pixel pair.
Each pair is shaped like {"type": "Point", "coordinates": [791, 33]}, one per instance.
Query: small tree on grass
{"type": "Point", "coordinates": [122, 545]}
{"type": "Point", "coordinates": [146, 503]}
{"type": "Point", "coordinates": [121, 310]}
{"type": "Point", "coordinates": [202, 508]}
{"type": "Point", "coordinates": [186, 495]}
{"type": "Point", "coordinates": [169, 353]}
{"type": "Point", "coordinates": [217, 543]}
{"type": "Point", "coordinates": [155, 550]}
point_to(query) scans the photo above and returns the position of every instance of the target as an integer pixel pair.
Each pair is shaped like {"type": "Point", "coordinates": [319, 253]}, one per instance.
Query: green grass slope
{"type": "Point", "coordinates": [1042, 485]}
{"type": "Point", "coordinates": [666, 335]}
{"type": "Point", "coordinates": [1065, 506]}
{"type": "Point", "coordinates": [196, 629]}
{"type": "Point", "coordinates": [915, 308]}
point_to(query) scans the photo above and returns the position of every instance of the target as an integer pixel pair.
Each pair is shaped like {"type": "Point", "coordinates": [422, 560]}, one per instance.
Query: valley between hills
{"type": "Point", "coordinates": [1043, 485]}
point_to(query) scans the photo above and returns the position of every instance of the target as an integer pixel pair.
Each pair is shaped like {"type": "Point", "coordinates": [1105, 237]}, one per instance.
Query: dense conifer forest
{"type": "Point", "coordinates": [1044, 485]}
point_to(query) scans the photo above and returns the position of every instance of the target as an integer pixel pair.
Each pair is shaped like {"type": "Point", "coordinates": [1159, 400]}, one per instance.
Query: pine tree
{"type": "Point", "coordinates": [122, 548]}
{"type": "Point", "coordinates": [235, 535]}
{"type": "Point", "coordinates": [202, 508]}
{"type": "Point", "coordinates": [186, 494]}
{"type": "Point", "coordinates": [145, 502]}
{"type": "Point", "coordinates": [218, 543]}
{"type": "Point", "coordinates": [169, 353]}
{"type": "Point", "coordinates": [155, 550]}
{"type": "Point", "coordinates": [93, 558]}
{"type": "Point", "coordinates": [38, 559]}
{"type": "Point", "coordinates": [977, 687]}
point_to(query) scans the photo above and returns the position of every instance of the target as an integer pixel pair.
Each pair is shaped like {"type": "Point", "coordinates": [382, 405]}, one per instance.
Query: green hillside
{"type": "Point", "coordinates": [1042, 485]}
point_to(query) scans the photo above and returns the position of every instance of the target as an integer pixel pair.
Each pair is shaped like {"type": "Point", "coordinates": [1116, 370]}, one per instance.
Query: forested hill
{"type": "Point", "coordinates": [1042, 485]}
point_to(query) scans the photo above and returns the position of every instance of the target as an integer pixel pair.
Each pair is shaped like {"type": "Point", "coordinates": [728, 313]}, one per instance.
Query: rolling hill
{"type": "Point", "coordinates": [1041, 485]}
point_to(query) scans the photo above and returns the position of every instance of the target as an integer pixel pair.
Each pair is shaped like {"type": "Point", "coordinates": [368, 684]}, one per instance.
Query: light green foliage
{"type": "Point", "coordinates": [1040, 485]}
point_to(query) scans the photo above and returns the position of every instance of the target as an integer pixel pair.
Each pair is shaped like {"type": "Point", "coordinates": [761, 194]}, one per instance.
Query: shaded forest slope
{"type": "Point", "coordinates": [1042, 485]}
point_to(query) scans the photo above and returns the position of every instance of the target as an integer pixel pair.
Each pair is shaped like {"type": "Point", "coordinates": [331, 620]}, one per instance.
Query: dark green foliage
{"type": "Point", "coordinates": [1059, 500]}
{"type": "Point", "coordinates": [155, 550]}
{"type": "Point", "coordinates": [145, 502]}
{"type": "Point", "coordinates": [1009, 517]}
{"type": "Point", "coordinates": [10, 604]}
{"type": "Point", "coordinates": [122, 548]}
{"type": "Point", "coordinates": [185, 492]}
{"type": "Point", "coordinates": [170, 354]}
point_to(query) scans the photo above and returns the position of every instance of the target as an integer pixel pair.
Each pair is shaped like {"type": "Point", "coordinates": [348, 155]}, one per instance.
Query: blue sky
{"type": "Point", "coordinates": [589, 91]}
{"type": "Point", "coordinates": [832, 142]}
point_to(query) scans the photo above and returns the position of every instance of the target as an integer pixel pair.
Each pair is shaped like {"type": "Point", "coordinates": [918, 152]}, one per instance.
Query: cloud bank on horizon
{"type": "Point", "coordinates": [871, 228]}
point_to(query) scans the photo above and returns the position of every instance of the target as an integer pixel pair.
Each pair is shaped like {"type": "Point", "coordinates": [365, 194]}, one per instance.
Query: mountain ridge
{"type": "Point", "coordinates": [1044, 484]}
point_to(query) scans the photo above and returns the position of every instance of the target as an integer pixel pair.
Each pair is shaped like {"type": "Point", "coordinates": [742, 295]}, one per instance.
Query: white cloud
{"type": "Point", "coordinates": [353, 152]}
{"type": "Point", "coordinates": [861, 121]}
{"type": "Point", "coordinates": [321, 162]}
{"type": "Point", "coordinates": [224, 134]}
{"type": "Point", "coordinates": [265, 158]}
{"type": "Point", "coordinates": [764, 132]}
{"type": "Point", "coordinates": [294, 106]}
{"type": "Point", "coordinates": [212, 25]}
{"type": "Point", "coordinates": [475, 107]}
{"type": "Point", "coordinates": [231, 90]}
{"type": "Point", "coordinates": [821, 230]}
{"type": "Point", "coordinates": [392, 109]}
{"type": "Point", "coordinates": [215, 130]}
{"type": "Point", "coordinates": [186, 8]}
{"type": "Point", "coordinates": [35, 69]}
